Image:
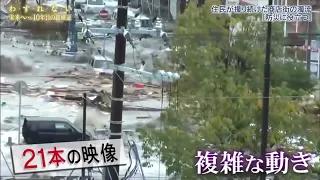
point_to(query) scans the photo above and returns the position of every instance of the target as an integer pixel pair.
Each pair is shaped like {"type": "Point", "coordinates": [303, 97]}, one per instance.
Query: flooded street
{"type": "Point", "coordinates": [42, 65]}
{"type": "Point", "coordinates": [34, 66]}
{"type": "Point", "coordinates": [37, 107]}
{"type": "Point", "coordinates": [230, 98]}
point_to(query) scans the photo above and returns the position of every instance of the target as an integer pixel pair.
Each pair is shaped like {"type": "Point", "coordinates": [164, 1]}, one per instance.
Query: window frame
{"type": "Point", "coordinates": [49, 128]}
{"type": "Point", "coordinates": [65, 129]}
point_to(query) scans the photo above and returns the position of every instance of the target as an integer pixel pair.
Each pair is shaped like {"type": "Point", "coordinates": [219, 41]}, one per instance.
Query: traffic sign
{"type": "Point", "coordinates": [104, 14]}
{"type": "Point", "coordinates": [20, 87]}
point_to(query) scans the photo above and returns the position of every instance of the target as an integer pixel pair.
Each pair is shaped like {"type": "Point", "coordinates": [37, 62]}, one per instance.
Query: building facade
{"type": "Point", "coordinates": [296, 33]}
{"type": "Point", "coordinates": [302, 27]}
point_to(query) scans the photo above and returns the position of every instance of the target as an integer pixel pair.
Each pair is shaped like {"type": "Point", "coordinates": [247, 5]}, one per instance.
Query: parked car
{"type": "Point", "coordinates": [37, 130]}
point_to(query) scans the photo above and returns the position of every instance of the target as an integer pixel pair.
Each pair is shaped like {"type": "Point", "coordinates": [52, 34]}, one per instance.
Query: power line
{"type": "Point", "coordinates": [122, 79]}
{"type": "Point", "coordinates": [234, 97]}
{"type": "Point", "coordinates": [239, 97]}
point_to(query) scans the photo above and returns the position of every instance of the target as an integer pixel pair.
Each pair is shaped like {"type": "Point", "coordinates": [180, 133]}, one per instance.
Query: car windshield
{"type": "Point", "coordinates": [100, 64]}
{"type": "Point", "coordinates": [95, 2]}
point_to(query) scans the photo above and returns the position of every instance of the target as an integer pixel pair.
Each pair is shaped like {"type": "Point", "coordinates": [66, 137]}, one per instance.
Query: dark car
{"type": "Point", "coordinates": [37, 130]}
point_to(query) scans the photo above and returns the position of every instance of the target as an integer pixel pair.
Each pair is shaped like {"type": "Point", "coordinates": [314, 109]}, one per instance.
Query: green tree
{"type": "Point", "coordinates": [217, 102]}
{"type": "Point", "coordinates": [293, 74]}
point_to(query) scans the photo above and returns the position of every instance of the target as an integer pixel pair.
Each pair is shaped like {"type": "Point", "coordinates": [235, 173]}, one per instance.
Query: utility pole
{"type": "Point", "coordinates": [112, 172]}
{"type": "Point", "coordinates": [72, 31]}
{"type": "Point", "coordinates": [19, 118]}
{"type": "Point", "coordinates": [266, 95]}
{"type": "Point", "coordinates": [22, 5]}
{"type": "Point", "coordinates": [84, 126]}
{"type": "Point", "coordinates": [308, 51]}
{"type": "Point", "coordinates": [200, 3]}
{"type": "Point", "coordinates": [183, 4]}
{"type": "Point", "coordinates": [122, 36]}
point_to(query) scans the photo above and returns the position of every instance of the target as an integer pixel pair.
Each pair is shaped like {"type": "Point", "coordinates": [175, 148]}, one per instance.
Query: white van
{"type": "Point", "coordinates": [92, 6]}
{"type": "Point", "coordinates": [99, 64]}
{"type": "Point", "coordinates": [111, 5]}
{"type": "Point", "coordinates": [141, 21]}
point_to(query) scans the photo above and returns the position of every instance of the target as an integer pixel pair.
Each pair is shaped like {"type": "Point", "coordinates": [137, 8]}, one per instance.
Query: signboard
{"type": "Point", "coordinates": [315, 62]}
{"type": "Point", "coordinates": [104, 14]}
{"type": "Point", "coordinates": [294, 27]}
{"type": "Point", "coordinates": [20, 87]}
{"type": "Point", "coordinates": [67, 155]}
{"type": "Point", "coordinates": [80, 35]}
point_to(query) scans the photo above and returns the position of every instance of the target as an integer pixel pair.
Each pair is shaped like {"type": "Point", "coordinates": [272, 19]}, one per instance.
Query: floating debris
{"type": "Point", "coordinates": [98, 89]}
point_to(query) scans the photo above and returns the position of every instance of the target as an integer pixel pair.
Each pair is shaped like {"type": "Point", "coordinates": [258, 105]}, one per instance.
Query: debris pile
{"type": "Point", "coordinates": [98, 89]}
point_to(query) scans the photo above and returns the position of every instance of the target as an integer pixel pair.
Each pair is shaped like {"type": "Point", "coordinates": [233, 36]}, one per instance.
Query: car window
{"type": "Point", "coordinates": [63, 127]}
{"type": "Point", "coordinates": [95, 2]}
{"type": "Point", "coordinates": [44, 126]}
{"type": "Point", "coordinates": [100, 64]}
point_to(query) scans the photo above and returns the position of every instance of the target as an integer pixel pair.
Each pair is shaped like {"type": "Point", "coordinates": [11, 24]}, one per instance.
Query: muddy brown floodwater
{"type": "Point", "coordinates": [29, 67]}
{"type": "Point", "coordinates": [14, 65]}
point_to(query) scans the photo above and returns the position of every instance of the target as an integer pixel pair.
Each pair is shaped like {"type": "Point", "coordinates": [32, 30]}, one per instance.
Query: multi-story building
{"type": "Point", "coordinates": [296, 33]}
